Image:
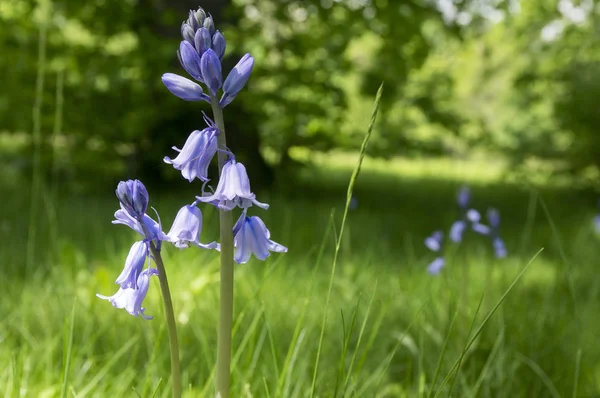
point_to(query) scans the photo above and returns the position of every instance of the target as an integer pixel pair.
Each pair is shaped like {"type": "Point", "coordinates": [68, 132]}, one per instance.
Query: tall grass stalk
{"type": "Point", "coordinates": [363, 150]}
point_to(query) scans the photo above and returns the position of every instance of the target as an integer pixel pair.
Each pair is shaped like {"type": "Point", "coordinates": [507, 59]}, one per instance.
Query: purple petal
{"type": "Point", "coordinates": [182, 87]}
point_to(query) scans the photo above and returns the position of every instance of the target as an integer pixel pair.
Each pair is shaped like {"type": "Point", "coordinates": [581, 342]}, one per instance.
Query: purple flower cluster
{"type": "Point", "coordinates": [200, 54]}
{"type": "Point", "coordinates": [470, 219]}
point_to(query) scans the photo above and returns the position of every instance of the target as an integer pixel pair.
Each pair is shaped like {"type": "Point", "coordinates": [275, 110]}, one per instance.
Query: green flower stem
{"type": "Point", "coordinates": [226, 305]}
{"type": "Point", "coordinates": [170, 318]}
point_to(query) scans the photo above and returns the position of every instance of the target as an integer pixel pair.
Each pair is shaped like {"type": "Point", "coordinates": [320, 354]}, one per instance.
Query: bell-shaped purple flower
{"type": "Point", "coordinates": [132, 299]}
{"type": "Point", "coordinates": [464, 197]}
{"type": "Point", "coordinates": [189, 59]}
{"type": "Point", "coordinates": [218, 44]}
{"type": "Point", "coordinates": [187, 227]}
{"type": "Point", "coordinates": [210, 65]}
{"type": "Point", "coordinates": [434, 242]}
{"type": "Point", "coordinates": [133, 197]}
{"type": "Point", "coordinates": [236, 80]}
{"type": "Point", "coordinates": [133, 265]}
{"type": "Point", "coordinates": [436, 266]}
{"type": "Point", "coordinates": [474, 217]}
{"type": "Point", "coordinates": [251, 236]}
{"type": "Point", "coordinates": [184, 88]}
{"type": "Point", "coordinates": [493, 217]}
{"type": "Point", "coordinates": [499, 247]}
{"type": "Point", "coordinates": [152, 227]}
{"type": "Point", "coordinates": [233, 189]}
{"type": "Point", "coordinates": [195, 156]}
{"type": "Point", "coordinates": [187, 33]}
{"type": "Point", "coordinates": [457, 230]}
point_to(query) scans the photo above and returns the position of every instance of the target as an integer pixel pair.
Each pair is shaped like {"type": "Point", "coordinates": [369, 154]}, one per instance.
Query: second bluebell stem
{"type": "Point", "coordinates": [223, 372]}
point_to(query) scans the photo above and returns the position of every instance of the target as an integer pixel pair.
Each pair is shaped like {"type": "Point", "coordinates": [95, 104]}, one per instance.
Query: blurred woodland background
{"type": "Point", "coordinates": [515, 80]}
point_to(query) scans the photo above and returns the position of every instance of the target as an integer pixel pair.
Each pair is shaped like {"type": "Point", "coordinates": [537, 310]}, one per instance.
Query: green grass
{"type": "Point", "coordinates": [390, 328]}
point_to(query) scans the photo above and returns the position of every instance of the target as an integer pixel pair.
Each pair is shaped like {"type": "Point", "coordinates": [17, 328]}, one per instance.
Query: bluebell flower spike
{"type": "Point", "coordinates": [233, 189]}
{"type": "Point", "coordinates": [237, 79]}
{"type": "Point", "coordinates": [251, 236]}
{"type": "Point", "coordinates": [436, 266]}
{"type": "Point", "coordinates": [196, 154]}
{"type": "Point", "coordinates": [131, 299]}
{"type": "Point", "coordinates": [133, 265]}
{"type": "Point", "coordinates": [184, 88]}
{"type": "Point", "coordinates": [187, 227]}
{"type": "Point", "coordinates": [210, 67]}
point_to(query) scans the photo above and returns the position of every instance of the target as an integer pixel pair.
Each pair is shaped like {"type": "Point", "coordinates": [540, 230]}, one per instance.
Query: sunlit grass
{"type": "Point", "coordinates": [528, 348]}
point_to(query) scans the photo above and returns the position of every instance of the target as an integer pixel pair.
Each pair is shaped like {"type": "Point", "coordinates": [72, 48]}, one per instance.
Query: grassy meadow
{"type": "Point", "coordinates": [391, 329]}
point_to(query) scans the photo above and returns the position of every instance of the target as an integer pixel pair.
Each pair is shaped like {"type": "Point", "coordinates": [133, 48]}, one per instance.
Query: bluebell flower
{"type": "Point", "coordinates": [499, 247]}
{"type": "Point", "coordinates": [251, 236]}
{"type": "Point", "coordinates": [133, 197]}
{"type": "Point", "coordinates": [195, 20]}
{"type": "Point", "coordinates": [202, 41]}
{"type": "Point", "coordinates": [219, 44]}
{"type": "Point", "coordinates": [210, 66]}
{"type": "Point", "coordinates": [233, 189]}
{"type": "Point", "coordinates": [195, 156]}
{"type": "Point", "coordinates": [187, 227]}
{"type": "Point", "coordinates": [474, 217]}
{"type": "Point", "coordinates": [493, 217]}
{"type": "Point", "coordinates": [236, 80]}
{"type": "Point", "coordinates": [190, 60]}
{"type": "Point", "coordinates": [457, 230]}
{"type": "Point", "coordinates": [436, 266]}
{"type": "Point", "coordinates": [133, 265]}
{"type": "Point", "coordinates": [131, 299]}
{"type": "Point", "coordinates": [184, 88]}
{"type": "Point", "coordinates": [463, 197]}
{"type": "Point", "coordinates": [434, 242]}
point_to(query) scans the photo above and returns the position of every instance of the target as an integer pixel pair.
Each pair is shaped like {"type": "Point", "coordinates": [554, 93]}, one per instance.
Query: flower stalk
{"type": "Point", "coordinates": [223, 371]}
{"type": "Point", "coordinates": [170, 318]}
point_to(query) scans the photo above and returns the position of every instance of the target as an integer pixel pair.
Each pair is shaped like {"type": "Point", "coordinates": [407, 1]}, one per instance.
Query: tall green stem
{"type": "Point", "coordinates": [170, 318]}
{"type": "Point", "coordinates": [226, 286]}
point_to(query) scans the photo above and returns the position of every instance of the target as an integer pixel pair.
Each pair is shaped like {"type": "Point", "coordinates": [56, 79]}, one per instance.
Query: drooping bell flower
{"type": "Point", "coordinates": [457, 230]}
{"type": "Point", "coordinates": [251, 236]}
{"type": "Point", "coordinates": [493, 217]}
{"type": "Point", "coordinates": [187, 227]}
{"type": "Point", "coordinates": [474, 217]}
{"type": "Point", "coordinates": [434, 242]}
{"type": "Point", "coordinates": [463, 197]}
{"type": "Point", "coordinates": [435, 267]}
{"type": "Point", "coordinates": [130, 298]}
{"type": "Point", "coordinates": [133, 265]}
{"type": "Point", "coordinates": [233, 189]}
{"type": "Point", "coordinates": [196, 154]}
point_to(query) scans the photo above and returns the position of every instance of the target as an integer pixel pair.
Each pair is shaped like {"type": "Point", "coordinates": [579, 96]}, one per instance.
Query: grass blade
{"type": "Point", "coordinates": [67, 353]}
{"type": "Point", "coordinates": [363, 150]}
